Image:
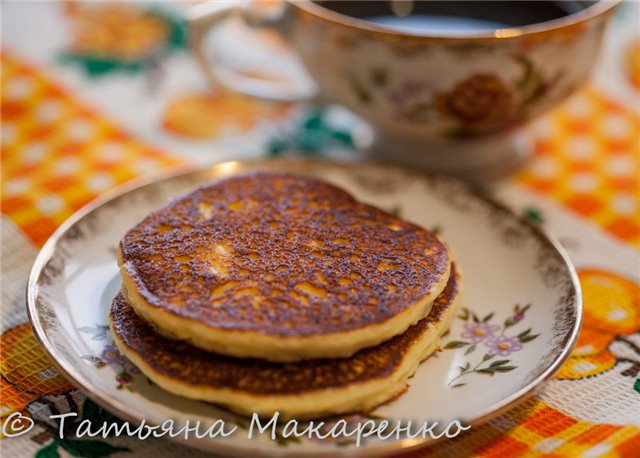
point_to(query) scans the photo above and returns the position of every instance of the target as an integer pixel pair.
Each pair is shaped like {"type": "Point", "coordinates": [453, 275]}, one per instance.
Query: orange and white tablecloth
{"type": "Point", "coordinates": [85, 108]}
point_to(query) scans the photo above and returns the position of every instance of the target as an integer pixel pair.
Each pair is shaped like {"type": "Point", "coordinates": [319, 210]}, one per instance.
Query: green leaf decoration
{"type": "Point", "coordinates": [396, 210]}
{"type": "Point", "coordinates": [487, 318]}
{"type": "Point", "coordinates": [178, 38]}
{"type": "Point", "coordinates": [500, 362]}
{"type": "Point", "coordinates": [50, 451]}
{"type": "Point", "coordinates": [529, 338]}
{"type": "Point", "coordinates": [458, 385]}
{"type": "Point", "coordinates": [532, 84]}
{"type": "Point", "coordinates": [534, 215]}
{"type": "Point", "coordinates": [475, 318]}
{"type": "Point", "coordinates": [636, 386]}
{"type": "Point", "coordinates": [470, 349]}
{"type": "Point", "coordinates": [538, 90]}
{"type": "Point", "coordinates": [97, 66]}
{"type": "Point", "coordinates": [90, 448]}
{"type": "Point", "coordinates": [527, 74]}
{"type": "Point", "coordinates": [505, 368]}
{"type": "Point", "coordinates": [464, 314]}
{"type": "Point", "coordinates": [455, 344]}
{"type": "Point", "coordinates": [509, 322]}
{"type": "Point", "coordinates": [313, 136]}
{"type": "Point", "coordinates": [524, 333]}
{"type": "Point", "coordinates": [487, 357]}
{"type": "Point", "coordinates": [486, 371]}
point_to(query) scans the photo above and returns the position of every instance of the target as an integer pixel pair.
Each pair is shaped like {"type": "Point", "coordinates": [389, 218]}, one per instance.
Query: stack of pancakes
{"type": "Point", "coordinates": [271, 292]}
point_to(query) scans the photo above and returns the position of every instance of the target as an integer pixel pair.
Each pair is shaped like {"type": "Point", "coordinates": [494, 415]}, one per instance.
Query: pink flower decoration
{"type": "Point", "coordinates": [503, 345]}
{"type": "Point", "coordinates": [111, 355]}
{"type": "Point", "coordinates": [479, 332]}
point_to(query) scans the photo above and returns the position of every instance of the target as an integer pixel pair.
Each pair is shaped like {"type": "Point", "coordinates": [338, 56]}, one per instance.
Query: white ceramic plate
{"type": "Point", "coordinates": [522, 296]}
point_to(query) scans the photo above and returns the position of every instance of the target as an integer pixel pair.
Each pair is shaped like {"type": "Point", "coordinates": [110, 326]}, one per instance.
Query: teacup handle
{"type": "Point", "coordinates": [203, 17]}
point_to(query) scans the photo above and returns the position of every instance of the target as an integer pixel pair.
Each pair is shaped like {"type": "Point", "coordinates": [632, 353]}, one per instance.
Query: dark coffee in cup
{"type": "Point", "coordinates": [454, 17]}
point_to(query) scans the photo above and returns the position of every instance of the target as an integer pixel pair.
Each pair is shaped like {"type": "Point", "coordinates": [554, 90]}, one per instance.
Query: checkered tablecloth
{"type": "Point", "coordinates": [94, 95]}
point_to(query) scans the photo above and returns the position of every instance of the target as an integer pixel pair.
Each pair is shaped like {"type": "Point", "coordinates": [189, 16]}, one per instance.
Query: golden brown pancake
{"type": "Point", "coordinates": [303, 389]}
{"type": "Point", "coordinates": [280, 267]}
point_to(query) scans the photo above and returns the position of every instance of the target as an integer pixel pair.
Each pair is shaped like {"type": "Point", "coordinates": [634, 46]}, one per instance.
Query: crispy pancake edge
{"type": "Point", "coordinates": [361, 396]}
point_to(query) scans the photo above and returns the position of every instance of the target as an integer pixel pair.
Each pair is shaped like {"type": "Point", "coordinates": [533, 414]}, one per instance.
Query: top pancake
{"type": "Point", "coordinates": [280, 267]}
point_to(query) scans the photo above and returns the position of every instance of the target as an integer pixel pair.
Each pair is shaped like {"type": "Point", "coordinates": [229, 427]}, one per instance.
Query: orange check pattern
{"type": "Point", "coordinates": [58, 155]}
{"type": "Point", "coordinates": [534, 429]}
{"type": "Point", "coordinates": [587, 157]}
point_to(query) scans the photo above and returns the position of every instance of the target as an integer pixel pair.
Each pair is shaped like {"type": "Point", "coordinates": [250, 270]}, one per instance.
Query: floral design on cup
{"type": "Point", "coordinates": [480, 103]}
{"type": "Point", "coordinates": [481, 332]}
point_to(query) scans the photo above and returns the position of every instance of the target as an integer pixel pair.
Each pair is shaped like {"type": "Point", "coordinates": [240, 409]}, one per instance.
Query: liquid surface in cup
{"type": "Point", "coordinates": [437, 25]}
{"type": "Point", "coordinates": [454, 17]}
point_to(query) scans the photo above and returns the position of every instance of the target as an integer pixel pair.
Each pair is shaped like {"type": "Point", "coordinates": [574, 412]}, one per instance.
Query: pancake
{"type": "Point", "coordinates": [280, 267]}
{"type": "Point", "coordinates": [305, 389]}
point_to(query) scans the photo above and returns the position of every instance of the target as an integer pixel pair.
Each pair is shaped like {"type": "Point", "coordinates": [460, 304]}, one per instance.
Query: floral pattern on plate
{"type": "Point", "coordinates": [482, 333]}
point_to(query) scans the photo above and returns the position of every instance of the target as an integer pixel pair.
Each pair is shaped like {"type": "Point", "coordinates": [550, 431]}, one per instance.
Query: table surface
{"type": "Point", "coordinates": [83, 112]}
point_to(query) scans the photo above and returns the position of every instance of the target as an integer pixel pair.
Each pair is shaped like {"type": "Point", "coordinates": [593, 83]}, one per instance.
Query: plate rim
{"type": "Point", "coordinates": [181, 169]}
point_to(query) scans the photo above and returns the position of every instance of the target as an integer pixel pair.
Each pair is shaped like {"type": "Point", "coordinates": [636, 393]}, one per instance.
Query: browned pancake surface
{"type": "Point", "coordinates": [281, 255]}
{"type": "Point", "coordinates": [196, 367]}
